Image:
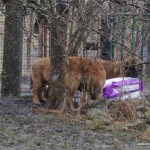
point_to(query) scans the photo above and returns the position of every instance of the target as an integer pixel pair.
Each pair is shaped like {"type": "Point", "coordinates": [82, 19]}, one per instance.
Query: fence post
{"type": "Point", "coordinates": [122, 35]}
{"type": "Point", "coordinates": [142, 39]}
{"type": "Point", "coordinates": [142, 47]}
{"type": "Point", "coordinates": [133, 28]}
{"type": "Point", "coordinates": [112, 41]}
{"type": "Point", "coordinates": [45, 38]}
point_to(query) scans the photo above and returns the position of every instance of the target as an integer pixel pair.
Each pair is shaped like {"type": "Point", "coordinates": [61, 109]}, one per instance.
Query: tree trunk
{"type": "Point", "coordinates": [105, 42]}
{"type": "Point", "coordinates": [58, 43]}
{"type": "Point", "coordinates": [12, 56]}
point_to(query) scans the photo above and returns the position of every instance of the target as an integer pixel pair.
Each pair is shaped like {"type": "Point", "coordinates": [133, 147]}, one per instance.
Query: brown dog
{"type": "Point", "coordinates": [113, 69]}
{"type": "Point", "coordinates": [93, 80]}
{"type": "Point", "coordinates": [40, 74]}
{"type": "Point", "coordinates": [124, 68]}
{"type": "Point", "coordinates": [79, 71]}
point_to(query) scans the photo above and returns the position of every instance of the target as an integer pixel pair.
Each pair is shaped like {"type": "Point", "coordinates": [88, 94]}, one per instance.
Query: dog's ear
{"type": "Point", "coordinates": [128, 60]}
{"type": "Point", "coordinates": [126, 64]}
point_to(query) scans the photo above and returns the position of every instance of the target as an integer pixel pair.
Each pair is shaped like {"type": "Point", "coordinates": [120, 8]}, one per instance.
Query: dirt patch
{"type": "Point", "coordinates": [22, 127]}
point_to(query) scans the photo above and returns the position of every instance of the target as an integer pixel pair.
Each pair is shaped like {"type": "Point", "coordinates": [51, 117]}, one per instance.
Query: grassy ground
{"type": "Point", "coordinates": [24, 126]}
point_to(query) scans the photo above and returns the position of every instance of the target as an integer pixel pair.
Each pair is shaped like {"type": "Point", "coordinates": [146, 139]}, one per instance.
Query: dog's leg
{"type": "Point", "coordinates": [83, 101]}
{"type": "Point", "coordinates": [70, 102]}
{"type": "Point", "coordinates": [72, 84]}
{"type": "Point", "coordinates": [64, 105]}
{"type": "Point", "coordinates": [35, 91]}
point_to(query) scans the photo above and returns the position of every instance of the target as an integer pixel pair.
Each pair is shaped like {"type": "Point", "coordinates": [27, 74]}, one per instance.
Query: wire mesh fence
{"type": "Point", "coordinates": [125, 33]}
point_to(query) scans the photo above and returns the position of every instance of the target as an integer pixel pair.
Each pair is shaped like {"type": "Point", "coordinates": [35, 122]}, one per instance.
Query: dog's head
{"type": "Point", "coordinates": [133, 68]}
{"type": "Point", "coordinates": [133, 71]}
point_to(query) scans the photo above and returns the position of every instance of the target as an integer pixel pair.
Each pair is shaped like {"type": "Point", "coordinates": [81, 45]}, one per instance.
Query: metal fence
{"type": "Point", "coordinates": [127, 32]}
{"type": "Point", "coordinates": [128, 35]}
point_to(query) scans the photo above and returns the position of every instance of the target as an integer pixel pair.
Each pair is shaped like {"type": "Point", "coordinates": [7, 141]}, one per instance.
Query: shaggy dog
{"type": "Point", "coordinates": [125, 68]}
{"type": "Point", "coordinates": [93, 80]}
{"type": "Point", "coordinates": [81, 72]}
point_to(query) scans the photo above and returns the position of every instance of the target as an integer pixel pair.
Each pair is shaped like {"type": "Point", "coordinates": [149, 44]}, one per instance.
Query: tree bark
{"type": "Point", "coordinates": [56, 83]}
{"type": "Point", "coordinates": [12, 56]}
{"type": "Point", "coordinates": [105, 42]}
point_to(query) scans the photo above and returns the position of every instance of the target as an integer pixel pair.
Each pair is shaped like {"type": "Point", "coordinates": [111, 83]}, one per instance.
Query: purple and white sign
{"type": "Point", "coordinates": [122, 87]}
